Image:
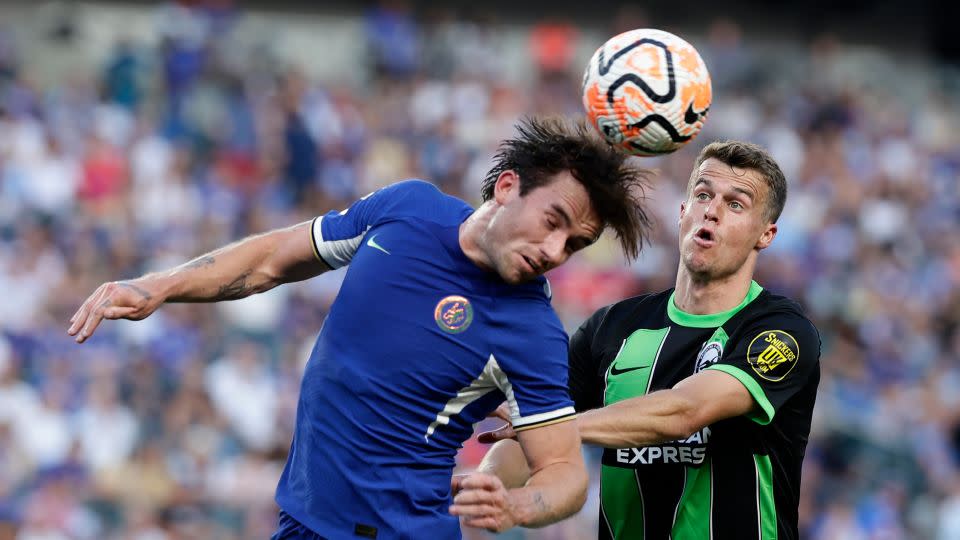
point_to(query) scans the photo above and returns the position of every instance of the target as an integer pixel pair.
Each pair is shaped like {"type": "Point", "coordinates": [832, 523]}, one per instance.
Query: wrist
{"type": "Point", "coordinates": [519, 507]}
{"type": "Point", "coordinates": [160, 287]}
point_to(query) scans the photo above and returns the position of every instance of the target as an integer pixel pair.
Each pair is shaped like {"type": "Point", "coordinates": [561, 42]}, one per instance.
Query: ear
{"type": "Point", "coordinates": [683, 210]}
{"type": "Point", "coordinates": [767, 237]}
{"type": "Point", "coordinates": [507, 187]}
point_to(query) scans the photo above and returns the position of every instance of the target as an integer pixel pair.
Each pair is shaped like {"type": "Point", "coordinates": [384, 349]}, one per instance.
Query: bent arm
{"type": "Point", "coordinates": [667, 415]}
{"type": "Point", "coordinates": [557, 486]}
{"type": "Point", "coordinates": [547, 482]}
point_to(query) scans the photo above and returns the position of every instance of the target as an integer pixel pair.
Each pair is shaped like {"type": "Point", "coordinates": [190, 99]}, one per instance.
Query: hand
{"type": "Point", "coordinates": [132, 300]}
{"type": "Point", "coordinates": [502, 433]}
{"type": "Point", "coordinates": [456, 482]}
{"type": "Point", "coordinates": [483, 502]}
{"type": "Point", "coordinates": [502, 412]}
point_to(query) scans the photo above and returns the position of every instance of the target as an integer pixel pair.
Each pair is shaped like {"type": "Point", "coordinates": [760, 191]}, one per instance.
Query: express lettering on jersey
{"type": "Point", "coordinates": [689, 451]}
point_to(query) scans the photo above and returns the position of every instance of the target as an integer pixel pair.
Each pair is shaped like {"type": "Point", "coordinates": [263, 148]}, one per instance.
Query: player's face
{"type": "Point", "coordinates": [722, 222]}
{"type": "Point", "coordinates": [532, 234]}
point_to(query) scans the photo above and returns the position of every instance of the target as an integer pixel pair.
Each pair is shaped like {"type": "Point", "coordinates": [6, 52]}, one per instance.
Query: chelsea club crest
{"type": "Point", "coordinates": [453, 314]}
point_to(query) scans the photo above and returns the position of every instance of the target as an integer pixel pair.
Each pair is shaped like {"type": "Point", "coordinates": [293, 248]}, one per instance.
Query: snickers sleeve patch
{"type": "Point", "coordinates": [774, 358]}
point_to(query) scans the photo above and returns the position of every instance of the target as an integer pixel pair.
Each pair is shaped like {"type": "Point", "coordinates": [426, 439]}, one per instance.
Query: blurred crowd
{"type": "Point", "coordinates": [177, 427]}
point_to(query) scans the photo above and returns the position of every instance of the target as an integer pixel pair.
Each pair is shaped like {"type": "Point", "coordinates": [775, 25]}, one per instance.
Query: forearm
{"type": "Point", "coordinates": [235, 271]}
{"type": "Point", "coordinates": [550, 495]}
{"type": "Point", "coordinates": [661, 416]}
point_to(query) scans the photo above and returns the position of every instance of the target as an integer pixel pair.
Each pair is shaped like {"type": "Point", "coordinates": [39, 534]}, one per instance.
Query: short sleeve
{"type": "Point", "coordinates": [583, 365]}
{"type": "Point", "coordinates": [774, 357]}
{"type": "Point", "coordinates": [532, 362]}
{"type": "Point", "coordinates": [337, 235]}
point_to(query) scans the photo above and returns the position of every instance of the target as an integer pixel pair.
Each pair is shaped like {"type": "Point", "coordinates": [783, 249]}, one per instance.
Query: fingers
{"type": "Point", "coordinates": [502, 412]}
{"type": "Point", "coordinates": [481, 481]}
{"type": "Point", "coordinates": [489, 523]}
{"type": "Point", "coordinates": [92, 322]}
{"type": "Point", "coordinates": [81, 317]}
{"type": "Point", "coordinates": [499, 434]}
{"type": "Point", "coordinates": [109, 301]}
{"type": "Point", "coordinates": [119, 312]}
{"type": "Point", "coordinates": [482, 503]}
{"type": "Point", "coordinates": [456, 483]}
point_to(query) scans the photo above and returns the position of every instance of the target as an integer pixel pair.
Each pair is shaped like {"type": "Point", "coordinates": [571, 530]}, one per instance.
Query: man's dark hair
{"type": "Point", "coordinates": [546, 147]}
{"type": "Point", "coordinates": [744, 155]}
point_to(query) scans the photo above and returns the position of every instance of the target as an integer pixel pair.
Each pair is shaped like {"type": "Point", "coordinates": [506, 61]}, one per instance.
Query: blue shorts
{"type": "Point", "coordinates": [291, 529]}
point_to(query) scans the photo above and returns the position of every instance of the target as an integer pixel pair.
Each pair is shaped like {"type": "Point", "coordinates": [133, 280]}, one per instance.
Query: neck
{"type": "Point", "coordinates": [472, 236]}
{"type": "Point", "coordinates": [706, 296]}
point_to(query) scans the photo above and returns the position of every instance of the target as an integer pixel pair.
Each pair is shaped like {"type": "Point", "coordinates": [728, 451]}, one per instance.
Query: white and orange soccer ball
{"type": "Point", "coordinates": [647, 91]}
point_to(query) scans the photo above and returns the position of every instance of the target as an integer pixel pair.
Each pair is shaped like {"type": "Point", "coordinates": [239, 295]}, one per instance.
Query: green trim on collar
{"type": "Point", "coordinates": [712, 320]}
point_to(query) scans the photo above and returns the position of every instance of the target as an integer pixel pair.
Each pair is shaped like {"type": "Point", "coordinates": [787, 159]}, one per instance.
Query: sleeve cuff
{"type": "Point", "coordinates": [314, 234]}
{"type": "Point", "coordinates": [765, 415]}
{"type": "Point", "coordinates": [544, 419]}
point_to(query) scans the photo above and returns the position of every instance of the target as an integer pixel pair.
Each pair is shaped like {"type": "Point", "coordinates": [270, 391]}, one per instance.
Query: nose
{"type": "Point", "coordinates": [554, 250]}
{"type": "Point", "coordinates": [712, 210]}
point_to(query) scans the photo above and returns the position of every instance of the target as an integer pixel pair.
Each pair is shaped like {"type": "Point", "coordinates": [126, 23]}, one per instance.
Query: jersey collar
{"type": "Point", "coordinates": [710, 320]}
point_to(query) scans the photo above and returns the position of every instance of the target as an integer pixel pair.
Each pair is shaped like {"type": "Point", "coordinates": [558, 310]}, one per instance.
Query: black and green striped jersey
{"type": "Point", "coordinates": [736, 479]}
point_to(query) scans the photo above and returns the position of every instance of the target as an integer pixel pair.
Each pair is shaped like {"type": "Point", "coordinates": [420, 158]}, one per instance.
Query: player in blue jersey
{"type": "Point", "coordinates": [443, 314]}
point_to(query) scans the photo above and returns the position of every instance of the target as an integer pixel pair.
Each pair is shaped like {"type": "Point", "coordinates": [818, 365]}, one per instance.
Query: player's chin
{"type": "Point", "coordinates": [516, 276]}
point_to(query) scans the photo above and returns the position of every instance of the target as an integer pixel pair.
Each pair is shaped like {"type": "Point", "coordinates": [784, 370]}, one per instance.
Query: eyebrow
{"type": "Point", "coordinates": [747, 194]}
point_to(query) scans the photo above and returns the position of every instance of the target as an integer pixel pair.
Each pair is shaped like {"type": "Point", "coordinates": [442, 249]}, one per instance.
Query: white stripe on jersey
{"type": "Point", "coordinates": [336, 253]}
{"type": "Point", "coordinates": [480, 387]}
{"type": "Point", "coordinates": [490, 379]}
{"type": "Point", "coordinates": [516, 418]}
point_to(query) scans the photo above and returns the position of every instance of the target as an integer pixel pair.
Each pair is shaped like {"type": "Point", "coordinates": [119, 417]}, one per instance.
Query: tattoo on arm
{"type": "Point", "coordinates": [540, 503]}
{"type": "Point", "coordinates": [140, 291]}
{"type": "Point", "coordinates": [237, 288]}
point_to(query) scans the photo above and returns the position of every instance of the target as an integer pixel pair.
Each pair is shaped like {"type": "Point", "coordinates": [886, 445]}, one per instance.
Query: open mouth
{"type": "Point", "coordinates": [533, 266]}
{"type": "Point", "coordinates": [704, 237]}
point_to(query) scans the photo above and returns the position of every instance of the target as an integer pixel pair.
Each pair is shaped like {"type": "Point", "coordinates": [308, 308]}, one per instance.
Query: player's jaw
{"type": "Point", "coordinates": [520, 267]}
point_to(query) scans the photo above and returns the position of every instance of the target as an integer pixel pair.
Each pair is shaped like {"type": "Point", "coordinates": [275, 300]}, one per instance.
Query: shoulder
{"type": "Point", "coordinates": [772, 309]}
{"type": "Point", "coordinates": [418, 198]}
{"type": "Point", "coordinates": [778, 324]}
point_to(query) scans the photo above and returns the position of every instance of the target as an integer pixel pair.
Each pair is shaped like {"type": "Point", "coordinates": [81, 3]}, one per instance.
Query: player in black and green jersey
{"type": "Point", "coordinates": [703, 394]}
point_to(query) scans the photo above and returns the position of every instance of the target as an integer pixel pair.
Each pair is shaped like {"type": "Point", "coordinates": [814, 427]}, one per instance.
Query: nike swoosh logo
{"type": "Point", "coordinates": [615, 371]}
{"type": "Point", "coordinates": [373, 243]}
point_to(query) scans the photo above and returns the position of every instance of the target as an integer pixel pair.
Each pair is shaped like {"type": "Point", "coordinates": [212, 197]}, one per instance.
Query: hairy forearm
{"type": "Point", "coordinates": [551, 494]}
{"type": "Point", "coordinates": [661, 416]}
{"type": "Point", "coordinates": [231, 272]}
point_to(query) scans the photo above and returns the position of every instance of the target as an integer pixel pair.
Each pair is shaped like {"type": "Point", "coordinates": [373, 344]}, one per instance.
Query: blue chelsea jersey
{"type": "Point", "coordinates": [420, 344]}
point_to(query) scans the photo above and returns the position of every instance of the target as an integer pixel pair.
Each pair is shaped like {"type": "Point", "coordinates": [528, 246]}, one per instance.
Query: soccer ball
{"type": "Point", "coordinates": [647, 91]}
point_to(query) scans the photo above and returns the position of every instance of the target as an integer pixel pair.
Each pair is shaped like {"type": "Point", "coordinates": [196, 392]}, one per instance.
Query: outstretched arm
{"type": "Point", "coordinates": [253, 265]}
{"type": "Point", "coordinates": [553, 486]}
{"type": "Point", "coordinates": [695, 402]}
{"type": "Point", "coordinates": [665, 415]}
